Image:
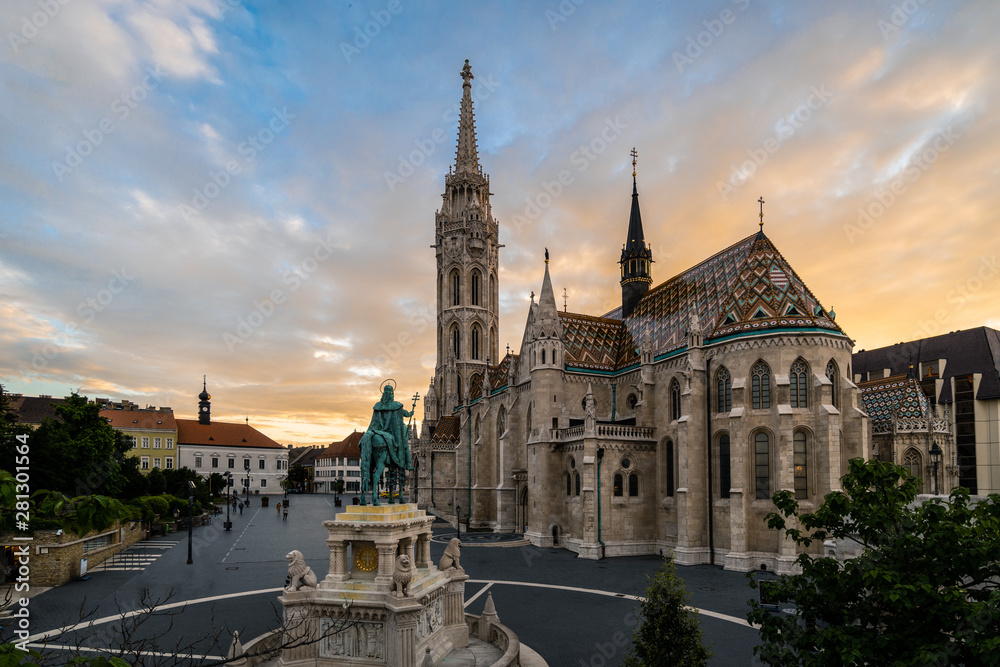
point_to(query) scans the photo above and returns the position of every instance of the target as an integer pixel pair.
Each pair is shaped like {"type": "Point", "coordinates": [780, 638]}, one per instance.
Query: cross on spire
{"type": "Point", "coordinates": [565, 300]}
{"type": "Point", "coordinates": [635, 155]}
{"type": "Point", "coordinates": [761, 202]}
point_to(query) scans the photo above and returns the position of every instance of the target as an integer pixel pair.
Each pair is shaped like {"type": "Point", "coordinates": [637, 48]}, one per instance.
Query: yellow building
{"type": "Point", "coordinates": [153, 433]}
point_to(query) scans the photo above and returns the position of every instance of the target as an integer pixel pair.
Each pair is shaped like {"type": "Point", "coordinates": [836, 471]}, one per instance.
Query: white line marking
{"type": "Point", "coordinates": [241, 535]}
{"type": "Point", "coordinates": [706, 612]}
{"type": "Point", "coordinates": [481, 591]}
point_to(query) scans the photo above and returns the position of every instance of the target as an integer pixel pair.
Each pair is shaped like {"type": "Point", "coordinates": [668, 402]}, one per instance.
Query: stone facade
{"type": "Point", "coordinates": [665, 428]}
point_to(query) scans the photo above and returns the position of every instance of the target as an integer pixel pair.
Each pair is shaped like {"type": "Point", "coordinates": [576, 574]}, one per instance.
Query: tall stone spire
{"type": "Point", "coordinates": [467, 154]}
{"type": "Point", "coordinates": [636, 255]}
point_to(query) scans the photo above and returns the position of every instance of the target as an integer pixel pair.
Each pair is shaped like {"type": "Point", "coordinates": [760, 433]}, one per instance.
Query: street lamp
{"type": "Point", "coordinates": [936, 460]}
{"type": "Point", "coordinates": [228, 476]}
{"type": "Point", "coordinates": [246, 485]}
{"type": "Point", "coordinates": [190, 519]}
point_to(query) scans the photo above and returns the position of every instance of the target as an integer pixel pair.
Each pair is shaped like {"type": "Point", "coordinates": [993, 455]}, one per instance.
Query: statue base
{"type": "Point", "coordinates": [383, 602]}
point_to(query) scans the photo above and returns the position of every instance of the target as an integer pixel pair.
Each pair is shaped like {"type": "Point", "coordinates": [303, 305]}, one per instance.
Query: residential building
{"type": "Point", "coordinates": [341, 460]}
{"type": "Point", "coordinates": [153, 432]}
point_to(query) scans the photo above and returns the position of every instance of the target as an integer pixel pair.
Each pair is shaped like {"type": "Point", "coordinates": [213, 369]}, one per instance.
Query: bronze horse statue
{"type": "Point", "coordinates": [386, 444]}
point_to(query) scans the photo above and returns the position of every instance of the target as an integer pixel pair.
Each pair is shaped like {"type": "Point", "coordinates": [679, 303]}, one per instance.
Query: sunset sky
{"type": "Point", "coordinates": [246, 190]}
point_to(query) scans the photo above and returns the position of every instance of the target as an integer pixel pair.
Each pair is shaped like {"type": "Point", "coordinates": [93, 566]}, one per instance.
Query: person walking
{"type": "Point", "coordinates": [284, 513]}
{"type": "Point", "coordinates": [278, 507]}
{"type": "Point", "coordinates": [241, 508]}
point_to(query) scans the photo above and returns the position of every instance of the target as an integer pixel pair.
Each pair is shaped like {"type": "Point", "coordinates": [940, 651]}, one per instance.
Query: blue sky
{"type": "Point", "coordinates": [247, 190]}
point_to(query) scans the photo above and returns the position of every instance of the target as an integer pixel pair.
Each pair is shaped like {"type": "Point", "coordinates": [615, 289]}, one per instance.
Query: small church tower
{"type": "Point", "coordinates": [466, 242]}
{"type": "Point", "coordinates": [636, 255]}
{"type": "Point", "coordinates": [204, 404]}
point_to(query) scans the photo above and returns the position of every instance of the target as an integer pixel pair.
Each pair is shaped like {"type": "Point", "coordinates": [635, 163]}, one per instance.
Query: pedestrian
{"type": "Point", "coordinates": [241, 508]}
{"type": "Point", "coordinates": [278, 513]}
{"type": "Point", "coordinates": [284, 514]}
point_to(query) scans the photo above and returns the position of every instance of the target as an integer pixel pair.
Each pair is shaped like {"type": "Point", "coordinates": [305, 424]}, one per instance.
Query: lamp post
{"type": "Point", "coordinates": [936, 460]}
{"type": "Point", "coordinates": [229, 488]}
{"type": "Point", "coordinates": [246, 485]}
{"type": "Point", "coordinates": [458, 521]}
{"type": "Point", "coordinates": [190, 519]}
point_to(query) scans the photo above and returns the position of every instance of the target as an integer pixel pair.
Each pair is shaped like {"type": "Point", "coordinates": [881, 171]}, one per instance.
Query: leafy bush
{"type": "Point", "coordinates": [159, 505]}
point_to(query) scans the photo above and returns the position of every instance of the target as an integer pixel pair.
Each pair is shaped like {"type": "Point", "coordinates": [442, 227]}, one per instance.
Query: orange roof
{"type": "Point", "coordinates": [151, 419]}
{"type": "Point", "coordinates": [221, 434]}
{"type": "Point", "coordinates": [349, 447]}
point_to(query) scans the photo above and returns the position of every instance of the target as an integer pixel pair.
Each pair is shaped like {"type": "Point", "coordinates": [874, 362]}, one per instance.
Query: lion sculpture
{"type": "Point", "coordinates": [402, 576]}
{"type": "Point", "coordinates": [299, 574]}
{"type": "Point", "coordinates": [451, 555]}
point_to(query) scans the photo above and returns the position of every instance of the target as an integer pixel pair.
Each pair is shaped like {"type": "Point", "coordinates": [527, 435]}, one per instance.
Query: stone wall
{"type": "Point", "coordinates": [55, 558]}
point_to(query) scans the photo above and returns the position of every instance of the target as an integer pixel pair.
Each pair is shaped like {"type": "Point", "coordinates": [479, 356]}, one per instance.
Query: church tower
{"type": "Point", "coordinates": [466, 242]}
{"type": "Point", "coordinates": [204, 404]}
{"type": "Point", "coordinates": [636, 256]}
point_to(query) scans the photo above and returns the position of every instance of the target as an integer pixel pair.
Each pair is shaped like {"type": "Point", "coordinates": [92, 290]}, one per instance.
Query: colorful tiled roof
{"type": "Point", "coordinates": [892, 398]}
{"type": "Point", "coordinates": [498, 373]}
{"type": "Point", "coordinates": [141, 419]}
{"type": "Point", "coordinates": [746, 288]}
{"type": "Point", "coordinates": [447, 431]}
{"type": "Point", "coordinates": [222, 434]}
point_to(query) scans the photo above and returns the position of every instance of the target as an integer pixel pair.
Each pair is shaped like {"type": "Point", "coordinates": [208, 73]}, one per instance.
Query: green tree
{"type": "Point", "coordinates": [924, 590]}
{"type": "Point", "coordinates": [157, 482]}
{"type": "Point", "coordinates": [298, 477]}
{"type": "Point", "coordinates": [669, 633]}
{"type": "Point", "coordinates": [136, 483]}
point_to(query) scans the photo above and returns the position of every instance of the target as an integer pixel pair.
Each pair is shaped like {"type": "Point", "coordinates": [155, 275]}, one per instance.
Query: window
{"type": "Point", "coordinates": [834, 377]}
{"type": "Point", "coordinates": [724, 390]}
{"type": "Point", "coordinates": [797, 380]}
{"type": "Point", "coordinates": [762, 465]}
{"type": "Point", "coordinates": [911, 461]}
{"type": "Point", "coordinates": [246, 463]}
{"type": "Point", "coordinates": [760, 383]}
{"type": "Point", "coordinates": [543, 356]}
{"type": "Point", "coordinates": [633, 485]}
{"type": "Point", "coordinates": [156, 462]}
{"type": "Point", "coordinates": [144, 463]}
{"type": "Point", "coordinates": [232, 463]}
{"type": "Point", "coordinates": [569, 484]}
{"type": "Point", "coordinates": [670, 468]}
{"type": "Point", "coordinates": [169, 463]}
{"type": "Point", "coordinates": [965, 433]}
{"type": "Point", "coordinates": [618, 484]}
{"type": "Point", "coordinates": [260, 464]}
{"type": "Point", "coordinates": [197, 462]}
{"type": "Point", "coordinates": [475, 288]}
{"type": "Point", "coordinates": [157, 442]}
{"type": "Point", "coordinates": [801, 465]}
{"type": "Point", "coordinates": [170, 443]}
{"type": "Point", "coordinates": [576, 478]}
{"type": "Point", "coordinates": [475, 342]}
{"type": "Point", "coordinates": [456, 344]}
{"type": "Point", "coordinates": [263, 483]}
{"type": "Point", "coordinates": [145, 443]}
{"type": "Point", "coordinates": [455, 286]}
{"type": "Point", "coordinates": [725, 470]}
{"type": "Point", "coordinates": [354, 462]}
{"type": "Point", "coordinates": [675, 400]}
{"type": "Point", "coordinates": [215, 462]}
{"type": "Point", "coordinates": [502, 421]}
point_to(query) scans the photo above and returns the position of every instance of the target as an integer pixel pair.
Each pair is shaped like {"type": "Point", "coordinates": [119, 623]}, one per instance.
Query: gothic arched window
{"type": "Point", "coordinates": [760, 386]}
{"type": "Point", "coordinates": [675, 400]}
{"type": "Point", "coordinates": [543, 356]}
{"type": "Point", "coordinates": [502, 421]}
{"type": "Point", "coordinates": [456, 342]}
{"type": "Point", "coordinates": [670, 467]}
{"type": "Point", "coordinates": [797, 381]}
{"type": "Point", "coordinates": [456, 288]}
{"type": "Point", "coordinates": [474, 292]}
{"type": "Point", "coordinates": [633, 485]}
{"type": "Point", "coordinates": [577, 483]}
{"type": "Point", "coordinates": [833, 375]}
{"type": "Point", "coordinates": [911, 461]}
{"type": "Point", "coordinates": [475, 342]}
{"type": "Point", "coordinates": [762, 465]}
{"type": "Point", "coordinates": [725, 467]}
{"type": "Point", "coordinates": [724, 390]}
{"type": "Point", "coordinates": [618, 484]}
{"type": "Point", "coordinates": [801, 462]}
{"type": "Point", "coordinates": [569, 484]}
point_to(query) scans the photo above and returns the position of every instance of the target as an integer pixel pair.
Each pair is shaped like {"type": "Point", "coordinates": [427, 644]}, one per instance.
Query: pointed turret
{"type": "Point", "coordinates": [467, 154]}
{"type": "Point", "coordinates": [636, 255]}
{"type": "Point", "coordinates": [204, 404]}
{"type": "Point", "coordinates": [547, 316]}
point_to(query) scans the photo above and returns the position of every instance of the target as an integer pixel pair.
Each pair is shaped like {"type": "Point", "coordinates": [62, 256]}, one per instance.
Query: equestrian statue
{"type": "Point", "coordinates": [386, 444]}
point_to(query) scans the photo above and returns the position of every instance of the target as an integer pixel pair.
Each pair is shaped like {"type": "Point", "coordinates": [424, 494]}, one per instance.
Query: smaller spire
{"type": "Point", "coordinates": [635, 155]}
{"type": "Point", "coordinates": [546, 255]}
{"type": "Point", "coordinates": [761, 202]}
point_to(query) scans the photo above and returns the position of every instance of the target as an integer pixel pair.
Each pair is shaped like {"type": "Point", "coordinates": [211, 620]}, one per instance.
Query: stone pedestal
{"type": "Point", "coordinates": [355, 612]}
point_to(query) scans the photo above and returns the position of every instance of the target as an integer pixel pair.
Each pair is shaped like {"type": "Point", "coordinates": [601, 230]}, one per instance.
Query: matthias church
{"type": "Point", "coordinates": [662, 426]}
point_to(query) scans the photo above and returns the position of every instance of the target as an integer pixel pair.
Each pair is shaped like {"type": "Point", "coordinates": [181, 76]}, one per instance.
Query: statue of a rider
{"type": "Point", "coordinates": [386, 443]}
